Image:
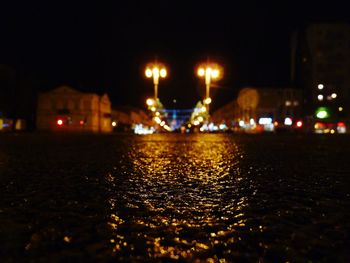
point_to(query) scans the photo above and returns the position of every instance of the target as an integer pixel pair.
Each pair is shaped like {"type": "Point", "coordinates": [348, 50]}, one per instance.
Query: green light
{"type": "Point", "coordinates": [322, 113]}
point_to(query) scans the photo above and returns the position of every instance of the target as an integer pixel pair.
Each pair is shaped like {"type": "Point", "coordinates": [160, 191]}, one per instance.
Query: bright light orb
{"type": "Point", "coordinates": [320, 86]}
{"type": "Point", "coordinates": [157, 120]}
{"type": "Point", "coordinates": [201, 72]}
{"type": "Point", "coordinates": [155, 72]}
{"type": "Point", "coordinates": [114, 123]}
{"type": "Point", "coordinates": [322, 113]}
{"type": "Point", "coordinates": [59, 122]}
{"type": "Point", "coordinates": [150, 102]}
{"type": "Point", "coordinates": [148, 73]}
{"type": "Point", "coordinates": [320, 97]}
{"type": "Point", "coordinates": [207, 101]}
{"type": "Point", "coordinates": [163, 73]}
{"type": "Point", "coordinates": [288, 121]}
{"type": "Point", "coordinates": [215, 73]}
{"type": "Point", "coordinates": [334, 95]}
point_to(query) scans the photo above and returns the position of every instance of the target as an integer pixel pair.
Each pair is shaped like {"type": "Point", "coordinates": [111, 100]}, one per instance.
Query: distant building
{"type": "Point", "coordinates": [67, 109]}
{"type": "Point", "coordinates": [255, 105]}
{"type": "Point", "coordinates": [125, 118]}
{"type": "Point", "coordinates": [321, 65]}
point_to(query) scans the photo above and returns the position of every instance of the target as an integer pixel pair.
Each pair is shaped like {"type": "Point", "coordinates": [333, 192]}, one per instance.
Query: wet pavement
{"type": "Point", "coordinates": [173, 197]}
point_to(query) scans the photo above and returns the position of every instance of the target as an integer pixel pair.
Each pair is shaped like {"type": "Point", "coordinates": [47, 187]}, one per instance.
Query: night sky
{"type": "Point", "coordinates": [104, 47]}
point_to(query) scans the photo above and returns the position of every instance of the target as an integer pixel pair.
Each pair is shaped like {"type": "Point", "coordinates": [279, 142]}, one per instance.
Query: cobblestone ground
{"type": "Point", "coordinates": [163, 198]}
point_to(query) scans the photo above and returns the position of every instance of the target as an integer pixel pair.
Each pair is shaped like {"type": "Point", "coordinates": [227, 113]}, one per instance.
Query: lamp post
{"type": "Point", "coordinates": [208, 71]}
{"type": "Point", "coordinates": [155, 70]}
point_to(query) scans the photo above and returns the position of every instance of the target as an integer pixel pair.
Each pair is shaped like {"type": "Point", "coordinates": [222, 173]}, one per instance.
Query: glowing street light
{"type": "Point", "coordinates": [150, 102]}
{"type": "Point", "coordinates": [155, 70]}
{"type": "Point", "coordinates": [209, 71]}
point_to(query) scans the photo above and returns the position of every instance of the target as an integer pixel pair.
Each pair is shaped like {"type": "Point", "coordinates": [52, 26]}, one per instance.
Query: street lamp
{"type": "Point", "coordinates": [156, 70]}
{"type": "Point", "coordinates": [209, 71]}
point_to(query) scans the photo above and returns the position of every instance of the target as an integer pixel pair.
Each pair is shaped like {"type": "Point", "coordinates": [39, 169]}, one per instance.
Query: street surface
{"type": "Point", "coordinates": [174, 197]}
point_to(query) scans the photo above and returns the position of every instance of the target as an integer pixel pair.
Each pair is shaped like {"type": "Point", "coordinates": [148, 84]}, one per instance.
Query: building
{"type": "Point", "coordinates": [126, 118]}
{"type": "Point", "coordinates": [263, 106]}
{"type": "Point", "coordinates": [69, 110]}
{"type": "Point", "coordinates": [321, 65]}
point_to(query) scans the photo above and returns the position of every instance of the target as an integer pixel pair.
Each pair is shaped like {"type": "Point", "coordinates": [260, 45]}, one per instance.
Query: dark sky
{"type": "Point", "coordinates": [104, 46]}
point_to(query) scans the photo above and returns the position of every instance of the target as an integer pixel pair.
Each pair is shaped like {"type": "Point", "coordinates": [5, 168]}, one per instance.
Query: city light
{"type": "Point", "coordinates": [322, 113]}
{"type": "Point", "coordinates": [288, 121]}
{"type": "Point", "coordinates": [334, 95]}
{"type": "Point", "coordinates": [201, 72]}
{"type": "Point", "coordinates": [207, 101]}
{"type": "Point", "coordinates": [157, 120]}
{"type": "Point", "coordinates": [59, 122]}
{"type": "Point", "coordinates": [150, 102]}
{"type": "Point", "coordinates": [320, 97]}
{"type": "Point", "coordinates": [299, 124]}
{"type": "Point", "coordinates": [320, 86]}
{"type": "Point", "coordinates": [114, 123]}
{"type": "Point", "coordinates": [155, 70]}
{"type": "Point", "coordinates": [340, 109]}
{"type": "Point", "coordinates": [264, 121]}
{"type": "Point", "coordinates": [148, 73]}
{"type": "Point", "coordinates": [209, 71]}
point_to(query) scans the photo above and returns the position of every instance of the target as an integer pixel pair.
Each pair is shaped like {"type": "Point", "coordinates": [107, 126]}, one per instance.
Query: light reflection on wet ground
{"type": "Point", "coordinates": [205, 198]}
{"type": "Point", "coordinates": [180, 196]}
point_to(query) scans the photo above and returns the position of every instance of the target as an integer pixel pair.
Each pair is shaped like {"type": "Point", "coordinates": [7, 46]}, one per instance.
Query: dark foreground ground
{"type": "Point", "coordinates": [193, 198]}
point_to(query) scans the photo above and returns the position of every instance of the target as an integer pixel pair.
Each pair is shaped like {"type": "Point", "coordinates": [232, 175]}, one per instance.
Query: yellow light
{"type": "Point", "coordinates": [215, 73]}
{"type": "Point", "coordinates": [207, 101]}
{"type": "Point", "coordinates": [148, 73]}
{"type": "Point", "coordinates": [163, 73]}
{"type": "Point", "coordinates": [208, 71]}
{"type": "Point", "coordinates": [332, 131]}
{"type": "Point", "coordinates": [196, 123]}
{"type": "Point", "coordinates": [157, 113]}
{"type": "Point", "coordinates": [153, 109]}
{"type": "Point", "coordinates": [203, 109]}
{"type": "Point", "coordinates": [150, 102]}
{"type": "Point", "coordinates": [340, 109]}
{"type": "Point", "coordinates": [155, 72]}
{"type": "Point", "coordinates": [162, 123]}
{"type": "Point", "coordinates": [334, 95]}
{"type": "Point", "coordinates": [200, 118]}
{"type": "Point", "coordinates": [201, 72]}
{"type": "Point", "coordinates": [157, 120]}
{"type": "Point", "coordinates": [114, 123]}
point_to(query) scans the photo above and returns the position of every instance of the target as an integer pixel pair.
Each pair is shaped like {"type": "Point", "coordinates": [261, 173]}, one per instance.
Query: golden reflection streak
{"type": "Point", "coordinates": [175, 176]}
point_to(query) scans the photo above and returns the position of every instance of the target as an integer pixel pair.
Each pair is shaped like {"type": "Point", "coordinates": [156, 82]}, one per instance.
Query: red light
{"type": "Point", "coordinates": [81, 122]}
{"type": "Point", "coordinates": [59, 122]}
{"type": "Point", "coordinates": [299, 124]}
{"type": "Point", "coordinates": [341, 124]}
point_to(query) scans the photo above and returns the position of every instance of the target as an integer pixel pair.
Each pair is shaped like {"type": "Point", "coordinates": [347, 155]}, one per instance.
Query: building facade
{"type": "Point", "coordinates": [69, 110]}
{"type": "Point", "coordinates": [321, 65]}
{"type": "Point", "coordinates": [265, 106]}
